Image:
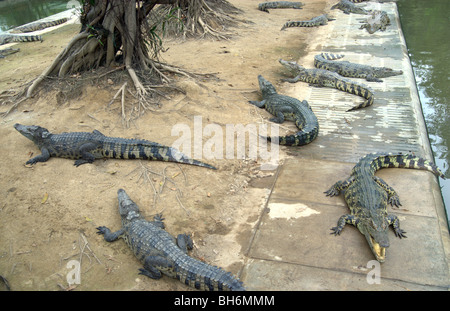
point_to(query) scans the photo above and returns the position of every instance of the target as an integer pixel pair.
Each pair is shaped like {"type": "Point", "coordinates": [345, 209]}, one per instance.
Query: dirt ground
{"type": "Point", "coordinates": [49, 212]}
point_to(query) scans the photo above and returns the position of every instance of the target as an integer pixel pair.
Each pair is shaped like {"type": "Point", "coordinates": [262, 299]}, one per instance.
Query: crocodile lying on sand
{"type": "Point", "coordinates": [8, 51]}
{"type": "Point", "coordinates": [378, 20]}
{"type": "Point", "coordinates": [86, 147]}
{"type": "Point", "coordinates": [328, 61]}
{"type": "Point", "coordinates": [325, 78]}
{"type": "Point", "coordinates": [38, 26]}
{"type": "Point", "coordinates": [367, 197]}
{"type": "Point", "coordinates": [7, 38]}
{"type": "Point", "coordinates": [348, 7]}
{"type": "Point", "coordinates": [265, 6]}
{"type": "Point", "coordinates": [160, 252]}
{"type": "Point", "coordinates": [288, 108]}
{"type": "Point", "coordinates": [313, 22]}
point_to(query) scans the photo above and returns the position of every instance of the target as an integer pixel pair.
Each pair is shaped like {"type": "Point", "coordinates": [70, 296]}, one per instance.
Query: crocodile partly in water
{"type": "Point", "coordinates": [367, 197]}
{"type": "Point", "coordinates": [288, 108]}
{"type": "Point", "coordinates": [328, 61]}
{"type": "Point", "coordinates": [85, 147]}
{"type": "Point", "coordinates": [313, 22]}
{"type": "Point", "coordinates": [325, 78]}
{"type": "Point", "coordinates": [161, 253]}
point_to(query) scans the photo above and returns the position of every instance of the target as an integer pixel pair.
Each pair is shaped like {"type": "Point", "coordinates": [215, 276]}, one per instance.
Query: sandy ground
{"type": "Point", "coordinates": [49, 212]}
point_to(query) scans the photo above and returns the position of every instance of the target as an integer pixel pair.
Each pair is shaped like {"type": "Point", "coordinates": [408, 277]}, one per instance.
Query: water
{"type": "Point", "coordinates": [425, 27]}
{"type": "Point", "coordinates": [14, 13]}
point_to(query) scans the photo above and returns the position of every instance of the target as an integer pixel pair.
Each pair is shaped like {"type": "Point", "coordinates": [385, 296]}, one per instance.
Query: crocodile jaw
{"type": "Point", "coordinates": [377, 249]}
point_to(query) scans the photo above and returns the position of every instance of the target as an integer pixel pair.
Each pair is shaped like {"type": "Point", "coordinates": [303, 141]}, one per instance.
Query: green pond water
{"type": "Point", "coordinates": [425, 25]}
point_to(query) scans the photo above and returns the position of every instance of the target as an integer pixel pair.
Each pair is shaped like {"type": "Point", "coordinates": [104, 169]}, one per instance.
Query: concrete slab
{"type": "Point", "coordinates": [292, 248]}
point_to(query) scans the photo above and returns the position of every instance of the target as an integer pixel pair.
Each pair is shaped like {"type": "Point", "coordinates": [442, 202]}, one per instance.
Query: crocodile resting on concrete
{"type": "Point", "coordinates": [367, 197]}
{"type": "Point", "coordinates": [347, 69]}
{"type": "Point", "coordinates": [7, 38]}
{"type": "Point", "coordinates": [38, 25]}
{"type": "Point", "coordinates": [160, 252]}
{"type": "Point", "coordinates": [288, 108]}
{"type": "Point", "coordinates": [265, 6]}
{"type": "Point", "coordinates": [325, 78]}
{"type": "Point", "coordinates": [86, 147]}
{"type": "Point", "coordinates": [378, 20]}
{"type": "Point", "coordinates": [313, 22]}
{"type": "Point", "coordinates": [348, 7]}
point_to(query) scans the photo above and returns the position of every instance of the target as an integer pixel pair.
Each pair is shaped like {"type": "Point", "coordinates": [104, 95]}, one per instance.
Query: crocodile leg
{"type": "Point", "coordinates": [158, 221]}
{"type": "Point", "coordinates": [291, 80]}
{"type": "Point", "coordinates": [184, 242]}
{"type": "Point", "coordinates": [279, 118]}
{"type": "Point", "coordinates": [258, 104]}
{"type": "Point", "coordinates": [86, 156]}
{"type": "Point", "coordinates": [372, 78]}
{"type": "Point", "coordinates": [150, 266]}
{"type": "Point", "coordinates": [44, 156]}
{"type": "Point", "coordinates": [393, 198]}
{"type": "Point", "coordinates": [344, 219]}
{"type": "Point", "coordinates": [393, 220]}
{"type": "Point", "coordinates": [338, 187]}
{"type": "Point", "coordinates": [108, 235]}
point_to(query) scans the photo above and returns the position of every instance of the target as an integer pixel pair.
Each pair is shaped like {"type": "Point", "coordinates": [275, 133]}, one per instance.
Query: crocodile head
{"type": "Point", "coordinates": [386, 72]}
{"type": "Point", "coordinates": [34, 133]}
{"type": "Point", "coordinates": [293, 67]}
{"type": "Point", "coordinates": [266, 87]}
{"type": "Point", "coordinates": [128, 210]}
{"type": "Point", "coordinates": [375, 229]}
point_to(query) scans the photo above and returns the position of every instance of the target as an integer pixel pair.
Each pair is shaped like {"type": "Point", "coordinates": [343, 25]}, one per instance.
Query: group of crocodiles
{"type": "Point", "coordinates": [367, 196]}
{"type": "Point", "coordinates": [15, 36]}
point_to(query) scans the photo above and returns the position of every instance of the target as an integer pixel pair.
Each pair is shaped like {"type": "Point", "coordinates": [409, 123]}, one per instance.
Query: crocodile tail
{"type": "Point", "coordinates": [27, 38]}
{"type": "Point", "coordinates": [331, 56]}
{"type": "Point", "coordinates": [356, 89]}
{"type": "Point", "coordinates": [300, 138]}
{"type": "Point", "coordinates": [206, 277]}
{"type": "Point", "coordinates": [403, 161]}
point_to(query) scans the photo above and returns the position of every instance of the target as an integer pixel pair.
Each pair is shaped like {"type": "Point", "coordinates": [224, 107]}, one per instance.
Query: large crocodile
{"type": "Point", "coordinates": [160, 252]}
{"type": "Point", "coordinates": [38, 26]}
{"type": "Point", "coordinates": [313, 22]}
{"type": "Point", "coordinates": [367, 197]}
{"type": "Point", "coordinates": [288, 108]}
{"type": "Point", "coordinates": [86, 147]}
{"type": "Point", "coordinates": [378, 20]}
{"type": "Point", "coordinates": [325, 78]}
{"type": "Point", "coordinates": [8, 37]}
{"type": "Point", "coordinates": [348, 7]}
{"type": "Point", "coordinates": [265, 6]}
{"type": "Point", "coordinates": [328, 61]}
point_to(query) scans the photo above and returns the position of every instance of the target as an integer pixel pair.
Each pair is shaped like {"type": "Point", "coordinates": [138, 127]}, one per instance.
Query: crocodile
{"type": "Point", "coordinates": [288, 108]}
{"type": "Point", "coordinates": [7, 38]}
{"type": "Point", "coordinates": [85, 147]}
{"type": "Point", "coordinates": [325, 78]}
{"type": "Point", "coordinates": [347, 69]}
{"type": "Point", "coordinates": [161, 253]}
{"type": "Point", "coordinates": [265, 6]}
{"type": "Point", "coordinates": [348, 7]}
{"type": "Point", "coordinates": [367, 197]}
{"type": "Point", "coordinates": [313, 22]}
{"type": "Point", "coordinates": [8, 51]}
{"type": "Point", "coordinates": [38, 26]}
{"type": "Point", "coordinates": [378, 20]}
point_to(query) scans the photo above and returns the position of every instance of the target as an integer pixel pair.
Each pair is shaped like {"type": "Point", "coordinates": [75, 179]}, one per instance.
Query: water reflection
{"type": "Point", "coordinates": [425, 26]}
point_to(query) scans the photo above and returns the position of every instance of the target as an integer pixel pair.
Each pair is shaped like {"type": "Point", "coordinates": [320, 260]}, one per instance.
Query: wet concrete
{"type": "Point", "coordinates": [292, 248]}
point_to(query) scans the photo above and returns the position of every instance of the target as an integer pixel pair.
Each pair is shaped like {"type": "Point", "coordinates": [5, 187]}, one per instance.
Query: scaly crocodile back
{"type": "Point", "coordinates": [146, 239]}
